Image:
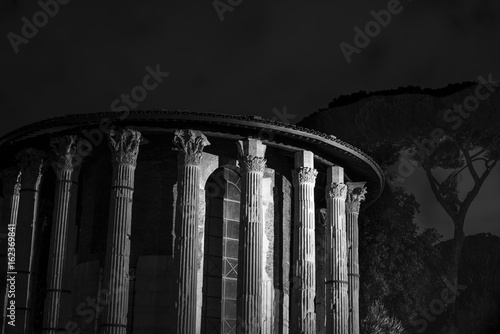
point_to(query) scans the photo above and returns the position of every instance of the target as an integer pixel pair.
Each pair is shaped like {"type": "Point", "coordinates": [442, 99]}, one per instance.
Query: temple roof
{"type": "Point", "coordinates": [327, 148]}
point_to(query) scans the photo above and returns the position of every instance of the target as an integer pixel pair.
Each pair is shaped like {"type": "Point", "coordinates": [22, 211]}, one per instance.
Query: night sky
{"type": "Point", "coordinates": [263, 55]}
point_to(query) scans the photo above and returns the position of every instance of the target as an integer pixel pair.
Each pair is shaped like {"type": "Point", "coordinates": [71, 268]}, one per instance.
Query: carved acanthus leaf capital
{"type": "Point", "coordinates": [124, 145]}
{"type": "Point", "coordinates": [65, 150]}
{"type": "Point", "coordinates": [32, 163]}
{"type": "Point", "coordinates": [190, 144]}
{"type": "Point", "coordinates": [250, 162]}
{"type": "Point", "coordinates": [305, 175]}
{"type": "Point", "coordinates": [336, 190]}
{"type": "Point", "coordinates": [356, 192]}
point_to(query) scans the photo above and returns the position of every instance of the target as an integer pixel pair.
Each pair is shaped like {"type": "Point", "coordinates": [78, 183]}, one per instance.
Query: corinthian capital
{"type": "Point", "coordinates": [190, 144]}
{"type": "Point", "coordinates": [355, 195]}
{"type": "Point", "coordinates": [11, 179]}
{"type": "Point", "coordinates": [252, 163]}
{"type": "Point", "coordinates": [32, 163]}
{"type": "Point", "coordinates": [124, 145]}
{"type": "Point", "coordinates": [305, 175]}
{"type": "Point", "coordinates": [251, 155]}
{"type": "Point", "coordinates": [66, 152]}
{"type": "Point", "coordinates": [336, 190]}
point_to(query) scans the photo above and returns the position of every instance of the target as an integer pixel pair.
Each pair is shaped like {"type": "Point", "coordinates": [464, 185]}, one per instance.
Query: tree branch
{"type": "Point", "coordinates": [478, 153]}
{"type": "Point", "coordinates": [475, 190]}
{"type": "Point", "coordinates": [435, 189]}
{"type": "Point", "coordinates": [468, 160]}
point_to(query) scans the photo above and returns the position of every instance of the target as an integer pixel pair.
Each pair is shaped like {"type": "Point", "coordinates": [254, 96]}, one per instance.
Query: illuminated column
{"type": "Point", "coordinates": [190, 145]}
{"type": "Point", "coordinates": [11, 185]}
{"type": "Point", "coordinates": [337, 300]}
{"type": "Point", "coordinates": [32, 163]}
{"type": "Point", "coordinates": [249, 301]}
{"type": "Point", "coordinates": [57, 300]}
{"type": "Point", "coordinates": [124, 145]}
{"type": "Point", "coordinates": [209, 163]}
{"type": "Point", "coordinates": [303, 318]}
{"type": "Point", "coordinates": [355, 194]}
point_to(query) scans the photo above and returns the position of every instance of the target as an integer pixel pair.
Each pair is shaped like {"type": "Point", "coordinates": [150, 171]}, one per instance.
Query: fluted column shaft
{"type": "Point", "coordinates": [186, 248]}
{"type": "Point", "coordinates": [124, 145]}
{"type": "Point", "coordinates": [14, 203]}
{"type": "Point", "coordinates": [304, 251]}
{"type": "Point", "coordinates": [337, 301]}
{"type": "Point", "coordinates": [11, 184]}
{"type": "Point", "coordinates": [32, 165]}
{"type": "Point", "coordinates": [190, 145]}
{"type": "Point", "coordinates": [249, 301]}
{"type": "Point", "coordinates": [355, 194]}
{"type": "Point", "coordinates": [58, 298]}
{"type": "Point", "coordinates": [11, 179]}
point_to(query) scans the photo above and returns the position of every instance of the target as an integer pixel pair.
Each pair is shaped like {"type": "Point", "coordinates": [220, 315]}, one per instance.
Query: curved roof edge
{"type": "Point", "coordinates": [254, 122]}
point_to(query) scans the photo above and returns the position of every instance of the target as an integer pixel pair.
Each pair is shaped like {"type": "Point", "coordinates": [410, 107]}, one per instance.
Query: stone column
{"type": "Point", "coordinates": [269, 260]}
{"type": "Point", "coordinates": [58, 298]}
{"type": "Point", "coordinates": [336, 289]}
{"type": "Point", "coordinates": [11, 185]}
{"type": "Point", "coordinates": [32, 163]}
{"type": "Point", "coordinates": [124, 145]}
{"type": "Point", "coordinates": [303, 314]}
{"type": "Point", "coordinates": [321, 270]}
{"type": "Point", "coordinates": [283, 224]}
{"type": "Point", "coordinates": [355, 194]}
{"type": "Point", "coordinates": [190, 145]}
{"type": "Point", "coordinates": [209, 163]}
{"type": "Point", "coordinates": [249, 302]}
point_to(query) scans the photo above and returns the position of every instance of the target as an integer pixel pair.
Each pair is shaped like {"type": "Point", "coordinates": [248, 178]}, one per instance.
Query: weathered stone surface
{"type": "Point", "coordinates": [303, 315]}
{"type": "Point", "coordinates": [321, 270]}
{"type": "Point", "coordinates": [32, 164]}
{"type": "Point", "coordinates": [190, 145]}
{"type": "Point", "coordinates": [355, 195]}
{"type": "Point", "coordinates": [336, 285]}
{"type": "Point", "coordinates": [124, 145]}
{"type": "Point", "coordinates": [58, 298]}
{"type": "Point", "coordinates": [268, 263]}
{"type": "Point", "coordinates": [11, 185]}
{"type": "Point", "coordinates": [209, 164]}
{"type": "Point", "coordinates": [157, 195]}
{"type": "Point", "coordinates": [249, 303]}
{"type": "Point", "coordinates": [282, 252]}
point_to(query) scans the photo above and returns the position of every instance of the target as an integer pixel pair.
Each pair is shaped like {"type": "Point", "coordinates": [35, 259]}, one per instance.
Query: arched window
{"type": "Point", "coordinates": [220, 269]}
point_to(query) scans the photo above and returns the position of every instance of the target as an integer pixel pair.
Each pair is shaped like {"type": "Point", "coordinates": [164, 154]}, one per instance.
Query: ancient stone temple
{"type": "Point", "coordinates": [180, 222]}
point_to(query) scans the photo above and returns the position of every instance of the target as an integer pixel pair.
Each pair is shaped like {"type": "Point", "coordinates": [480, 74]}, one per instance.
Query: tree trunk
{"type": "Point", "coordinates": [455, 256]}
